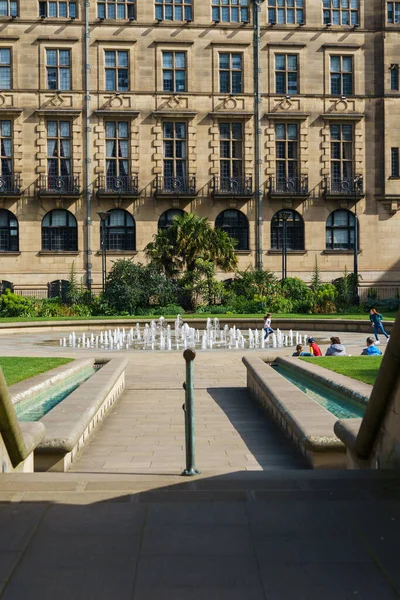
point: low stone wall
(307, 424)
(304, 326)
(70, 424)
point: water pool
(34, 408)
(334, 402)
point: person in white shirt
(267, 326)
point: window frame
(341, 10)
(129, 10)
(116, 68)
(160, 7)
(58, 68)
(4, 157)
(295, 242)
(59, 138)
(9, 67)
(342, 74)
(394, 77)
(174, 70)
(231, 159)
(117, 159)
(174, 160)
(299, 12)
(347, 228)
(287, 159)
(342, 160)
(395, 163)
(243, 239)
(69, 232)
(286, 72)
(218, 8)
(9, 229)
(396, 13)
(231, 71)
(12, 9)
(109, 229)
(69, 3)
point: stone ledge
(306, 423)
(69, 425)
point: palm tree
(189, 238)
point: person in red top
(314, 348)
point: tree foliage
(175, 250)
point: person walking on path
(299, 351)
(267, 326)
(314, 348)
(376, 320)
(371, 349)
(336, 348)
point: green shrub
(247, 284)
(13, 305)
(298, 293)
(324, 298)
(170, 309)
(389, 305)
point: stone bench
(70, 423)
(307, 424)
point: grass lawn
(18, 369)
(363, 368)
(388, 316)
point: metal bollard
(189, 355)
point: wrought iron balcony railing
(288, 186)
(233, 186)
(121, 185)
(177, 186)
(63, 185)
(10, 185)
(344, 186)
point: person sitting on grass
(371, 349)
(336, 348)
(299, 351)
(314, 348)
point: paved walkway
(144, 433)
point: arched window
(340, 230)
(120, 230)
(58, 289)
(6, 285)
(9, 241)
(236, 225)
(59, 231)
(167, 218)
(294, 230)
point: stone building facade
(172, 129)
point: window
(394, 78)
(230, 73)
(58, 9)
(58, 289)
(58, 69)
(230, 11)
(117, 77)
(59, 232)
(231, 153)
(294, 230)
(286, 74)
(341, 157)
(9, 241)
(286, 11)
(286, 152)
(341, 12)
(5, 68)
(120, 231)
(395, 167)
(8, 8)
(340, 230)
(174, 71)
(167, 218)
(116, 9)
(174, 10)
(342, 75)
(59, 155)
(236, 225)
(174, 152)
(117, 152)
(393, 12)
(6, 154)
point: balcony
(225, 187)
(10, 185)
(181, 187)
(288, 187)
(123, 186)
(344, 187)
(55, 186)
